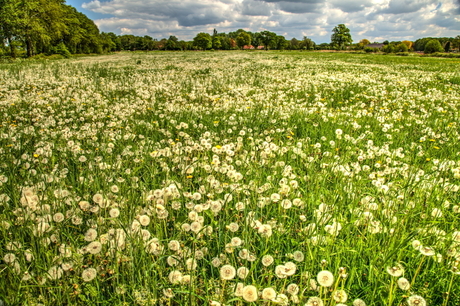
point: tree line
(31, 27)
(48, 26)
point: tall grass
(230, 178)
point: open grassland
(214, 178)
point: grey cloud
(187, 13)
(446, 19)
(298, 7)
(392, 20)
(255, 8)
(406, 6)
(351, 6)
(295, 1)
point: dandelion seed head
(250, 293)
(314, 301)
(416, 300)
(268, 294)
(325, 278)
(267, 260)
(227, 272)
(89, 274)
(396, 270)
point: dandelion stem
(390, 294)
(448, 290)
(417, 271)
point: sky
(375, 20)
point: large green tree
(281, 42)
(243, 39)
(203, 41)
(9, 24)
(433, 46)
(341, 37)
(35, 23)
(48, 26)
(216, 42)
(267, 38)
(307, 43)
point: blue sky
(376, 20)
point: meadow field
(230, 178)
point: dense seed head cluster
(189, 178)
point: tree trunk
(29, 46)
(12, 48)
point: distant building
(378, 46)
(251, 47)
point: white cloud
(371, 19)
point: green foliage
(39, 26)
(433, 46)
(369, 49)
(216, 42)
(267, 38)
(243, 39)
(308, 44)
(419, 44)
(401, 48)
(62, 50)
(203, 41)
(281, 42)
(341, 37)
(334, 157)
(390, 48)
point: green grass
(350, 160)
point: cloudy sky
(376, 20)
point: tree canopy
(40, 26)
(433, 46)
(203, 41)
(30, 27)
(341, 37)
(243, 39)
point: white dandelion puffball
(267, 260)
(91, 234)
(403, 283)
(340, 296)
(9, 258)
(250, 293)
(242, 272)
(314, 301)
(292, 289)
(144, 220)
(175, 277)
(227, 272)
(89, 274)
(94, 247)
(359, 302)
(396, 270)
(268, 294)
(55, 272)
(325, 278)
(416, 300)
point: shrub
(389, 48)
(402, 48)
(369, 49)
(433, 46)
